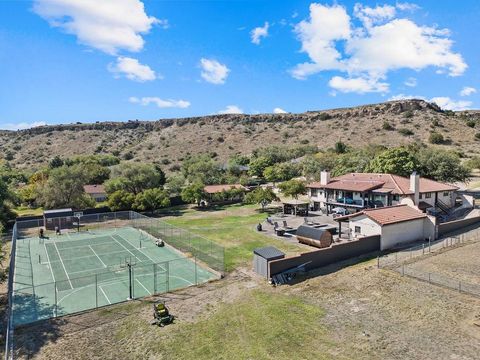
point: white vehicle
(339, 211)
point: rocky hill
(169, 141)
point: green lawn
(26, 211)
(258, 326)
(233, 227)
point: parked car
(339, 211)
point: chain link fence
(403, 261)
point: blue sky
(64, 61)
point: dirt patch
(459, 263)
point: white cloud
(407, 6)
(326, 25)
(382, 44)
(411, 82)
(449, 104)
(213, 71)
(258, 33)
(169, 103)
(231, 109)
(23, 125)
(369, 16)
(358, 85)
(467, 91)
(444, 102)
(107, 25)
(132, 69)
(278, 110)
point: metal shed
(61, 218)
(318, 237)
(261, 258)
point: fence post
(459, 286)
(96, 291)
(403, 269)
(168, 276)
(429, 244)
(56, 305)
(423, 249)
(378, 262)
(396, 254)
(154, 278)
(196, 281)
(429, 280)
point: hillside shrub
(436, 138)
(405, 132)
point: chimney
(324, 177)
(415, 187)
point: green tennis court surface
(73, 272)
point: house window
(446, 193)
(420, 196)
(314, 192)
(358, 229)
(428, 195)
(396, 198)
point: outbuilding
(261, 258)
(58, 218)
(396, 225)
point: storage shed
(61, 218)
(261, 258)
(318, 237)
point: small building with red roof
(396, 225)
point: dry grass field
(350, 310)
(460, 263)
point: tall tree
(135, 178)
(293, 188)
(442, 165)
(399, 161)
(151, 199)
(121, 200)
(262, 196)
(194, 193)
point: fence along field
(99, 260)
(442, 262)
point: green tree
(121, 200)
(262, 196)
(399, 161)
(6, 213)
(202, 168)
(442, 165)
(193, 193)
(151, 199)
(340, 147)
(281, 172)
(134, 178)
(293, 188)
(175, 184)
(64, 188)
(259, 164)
(436, 138)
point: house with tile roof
(358, 191)
(96, 191)
(397, 225)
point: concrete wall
(450, 226)
(401, 233)
(327, 256)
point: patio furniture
(285, 225)
(280, 231)
(308, 222)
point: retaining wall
(450, 226)
(323, 257)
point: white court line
(49, 263)
(143, 286)
(125, 247)
(139, 249)
(103, 292)
(89, 269)
(66, 273)
(98, 257)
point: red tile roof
(212, 189)
(389, 215)
(94, 189)
(395, 184)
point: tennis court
(76, 271)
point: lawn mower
(161, 314)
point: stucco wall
(368, 227)
(401, 233)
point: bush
(324, 116)
(128, 156)
(405, 132)
(408, 114)
(477, 136)
(471, 123)
(387, 126)
(436, 138)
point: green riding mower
(161, 314)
